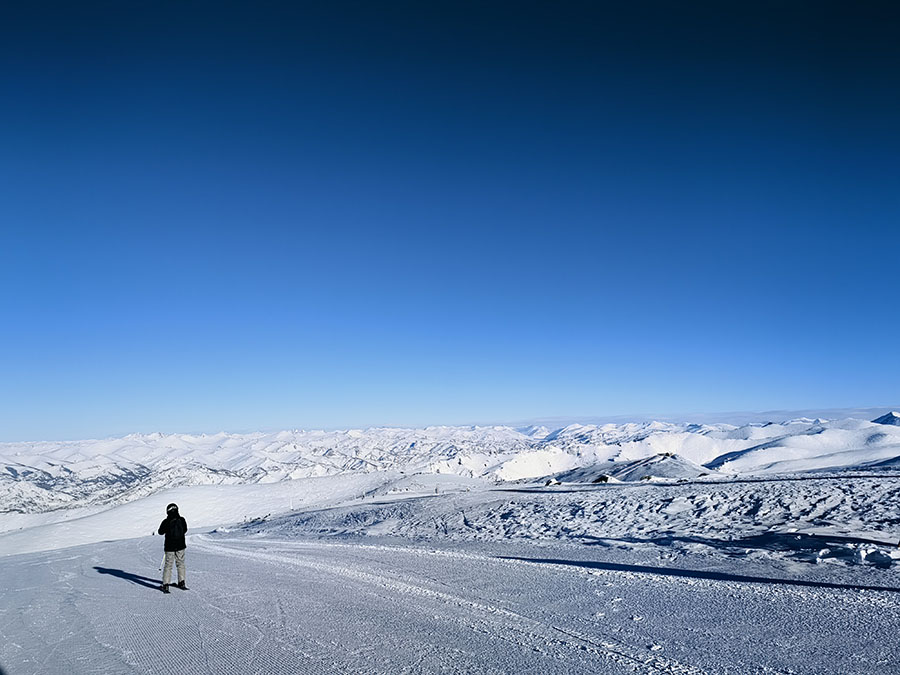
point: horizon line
(736, 417)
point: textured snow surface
(386, 573)
(260, 605)
(837, 520)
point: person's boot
(182, 585)
(165, 588)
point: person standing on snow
(174, 528)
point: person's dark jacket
(174, 527)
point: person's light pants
(178, 558)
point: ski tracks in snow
(579, 618)
(261, 605)
(476, 615)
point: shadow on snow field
(804, 547)
(698, 574)
(128, 576)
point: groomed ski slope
(260, 605)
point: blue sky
(275, 215)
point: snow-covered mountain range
(37, 477)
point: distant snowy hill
(661, 466)
(892, 418)
(40, 477)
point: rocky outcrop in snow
(892, 418)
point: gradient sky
(269, 215)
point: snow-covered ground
(840, 520)
(264, 605)
(619, 548)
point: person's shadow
(133, 578)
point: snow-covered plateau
(642, 547)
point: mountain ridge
(45, 475)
